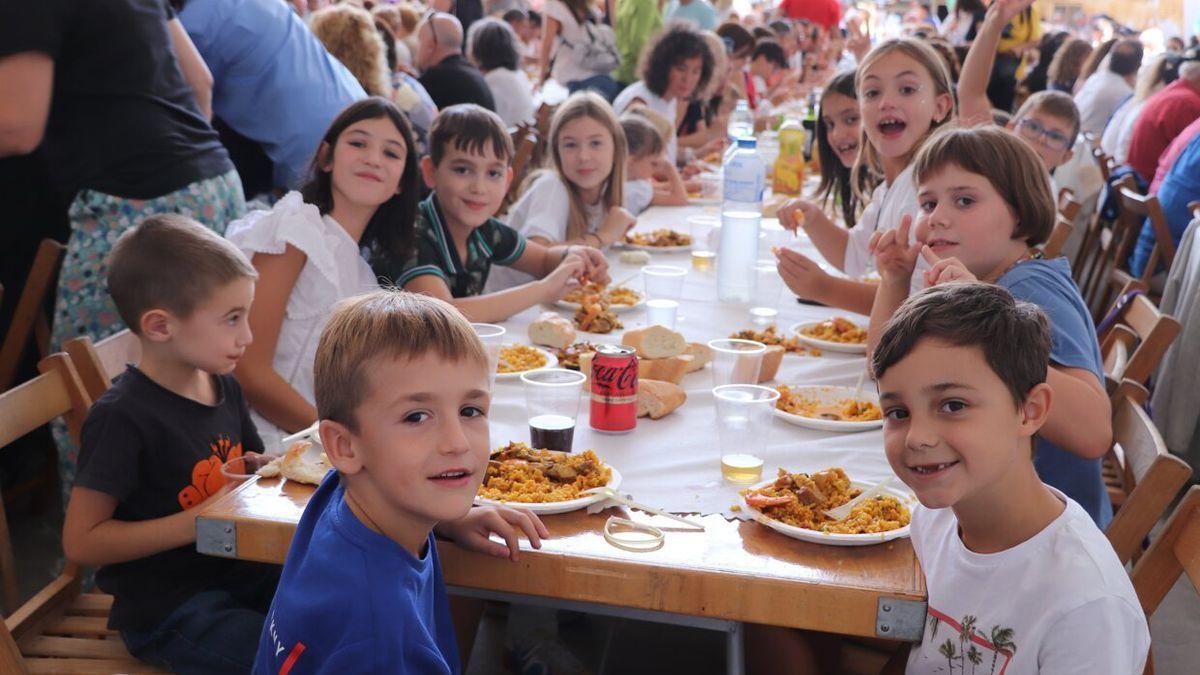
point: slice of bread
(667, 370)
(701, 354)
(657, 399)
(655, 342)
(552, 330)
(771, 360)
(302, 463)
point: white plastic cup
(664, 282)
(744, 418)
(736, 361)
(492, 337)
(660, 312)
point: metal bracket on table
(216, 537)
(899, 619)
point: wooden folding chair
(1058, 237)
(97, 364)
(58, 630)
(29, 317)
(545, 114)
(1067, 206)
(1111, 250)
(522, 161)
(1144, 333)
(1175, 552)
(1140, 207)
(1150, 477)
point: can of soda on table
(614, 389)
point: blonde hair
(144, 265)
(928, 58)
(348, 32)
(383, 324)
(1007, 162)
(591, 105)
(720, 64)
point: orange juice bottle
(789, 166)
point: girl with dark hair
(362, 195)
(675, 68)
(1037, 79)
(492, 46)
(837, 134)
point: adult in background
(1165, 115)
(1103, 92)
(1118, 134)
(638, 21)
(700, 13)
(1037, 79)
(579, 47)
(825, 13)
(960, 28)
(117, 99)
(492, 46)
(446, 74)
(273, 82)
(1176, 185)
(1021, 35)
(1066, 66)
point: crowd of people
(374, 142)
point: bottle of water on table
(741, 217)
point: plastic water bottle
(741, 122)
(741, 217)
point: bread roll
(655, 342)
(667, 370)
(302, 463)
(656, 399)
(552, 330)
(701, 354)
(771, 360)
(585, 367)
(636, 257)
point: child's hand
(945, 270)
(895, 258)
(794, 212)
(804, 277)
(473, 531)
(595, 265)
(563, 279)
(616, 224)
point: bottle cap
(747, 142)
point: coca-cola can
(614, 389)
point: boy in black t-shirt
(152, 451)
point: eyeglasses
(1034, 131)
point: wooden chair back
(97, 364)
(1175, 552)
(29, 317)
(1110, 250)
(1144, 332)
(522, 164)
(545, 114)
(1058, 236)
(1150, 477)
(1141, 207)
(1067, 206)
(1105, 162)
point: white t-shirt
(1099, 97)
(639, 91)
(1119, 132)
(888, 206)
(334, 270)
(1058, 603)
(567, 67)
(638, 195)
(513, 93)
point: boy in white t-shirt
(1020, 580)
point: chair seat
(80, 641)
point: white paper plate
(845, 347)
(834, 539)
(551, 508)
(619, 309)
(551, 361)
(829, 393)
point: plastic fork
(842, 512)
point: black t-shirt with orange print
(158, 453)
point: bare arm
(807, 280)
(92, 537)
(267, 392)
(492, 307)
(550, 28)
(671, 191)
(973, 104)
(1080, 420)
(195, 71)
(830, 238)
(26, 88)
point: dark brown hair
(835, 178)
(387, 323)
(171, 262)
(678, 43)
(739, 41)
(470, 128)
(1014, 336)
(1007, 162)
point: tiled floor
(634, 648)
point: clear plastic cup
(701, 227)
(492, 337)
(736, 361)
(664, 282)
(744, 420)
(768, 287)
(661, 312)
(240, 469)
(552, 403)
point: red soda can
(614, 389)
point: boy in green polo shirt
(457, 239)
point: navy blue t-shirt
(1073, 344)
(353, 601)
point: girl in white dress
(309, 252)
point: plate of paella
(517, 358)
(544, 481)
(662, 240)
(838, 334)
(793, 504)
(619, 299)
(828, 408)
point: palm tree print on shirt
(968, 645)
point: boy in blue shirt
(401, 387)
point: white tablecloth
(674, 463)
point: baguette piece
(585, 367)
(771, 360)
(552, 330)
(302, 463)
(701, 354)
(656, 399)
(655, 342)
(667, 370)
